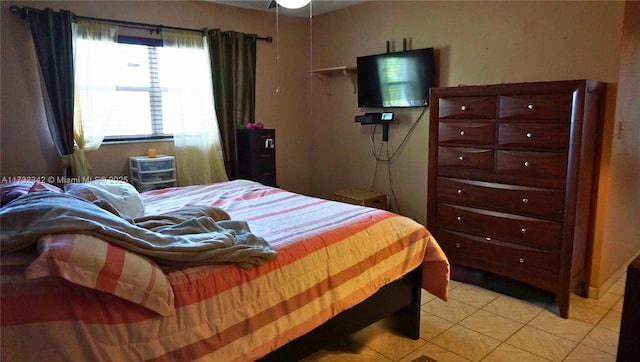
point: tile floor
(478, 324)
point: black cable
(404, 140)
(391, 158)
(396, 206)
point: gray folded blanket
(191, 236)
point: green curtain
(53, 40)
(233, 68)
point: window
(146, 95)
(138, 96)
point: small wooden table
(361, 197)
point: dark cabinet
(512, 179)
(257, 155)
(629, 332)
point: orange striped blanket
(331, 256)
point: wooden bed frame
(400, 300)
(397, 303)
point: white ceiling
(317, 6)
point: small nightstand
(152, 173)
(361, 197)
(257, 155)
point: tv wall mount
(383, 118)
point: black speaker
(368, 118)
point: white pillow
(123, 196)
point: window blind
(139, 97)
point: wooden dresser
(513, 178)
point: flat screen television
(399, 79)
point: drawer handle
(459, 192)
(525, 200)
(461, 133)
(527, 163)
(461, 158)
(523, 230)
(463, 108)
(530, 106)
(529, 135)
(521, 260)
(458, 245)
(459, 218)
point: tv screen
(400, 79)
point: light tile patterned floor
(478, 324)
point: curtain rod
(24, 11)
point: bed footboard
(399, 300)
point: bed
(329, 269)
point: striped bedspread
(331, 256)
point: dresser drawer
(542, 106)
(467, 107)
(536, 267)
(266, 156)
(467, 158)
(521, 200)
(498, 225)
(541, 136)
(263, 162)
(265, 178)
(261, 140)
(473, 133)
(532, 165)
(153, 176)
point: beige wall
(320, 148)
(477, 42)
(618, 230)
(26, 147)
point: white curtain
(94, 89)
(188, 109)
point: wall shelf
(343, 71)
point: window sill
(118, 142)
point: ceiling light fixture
(293, 4)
